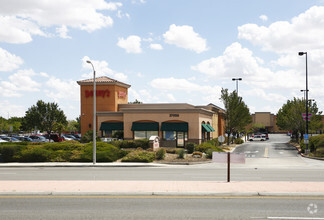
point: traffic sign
(306, 137)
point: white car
(1, 140)
(259, 138)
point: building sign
(102, 93)
(174, 115)
(122, 94)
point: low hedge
(205, 146)
(68, 151)
(139, 156)
(125, 144)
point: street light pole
(94, 113)
(237, 79)
(301, 54)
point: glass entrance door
(180, 139)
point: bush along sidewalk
(68, 151)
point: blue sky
(179, 51)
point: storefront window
(145, 134)
(169, 135)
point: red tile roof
(103, 80)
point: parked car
(1, 140)
(107, 139)
(68, 137)
(24, 138)
(259, 138)
(77, 137)
(10, 139)
(37, 138)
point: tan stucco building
(175, 124)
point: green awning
(173, 126)
(210, 128)
(145, 126)
(112, 126)
(205, 128)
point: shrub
(208, 149)
(104, 152)
(139, 156)
(209, 153)
(181, 153)
(35, 154)
(190, 147)
(238, 141)
(214, 142)
(9, 152)
(142, 143)
(160, 154)
(88, 136)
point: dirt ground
(173, 158)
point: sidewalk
(171, 188)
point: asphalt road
(137, 207)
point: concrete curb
(7, 165)
(164, 194)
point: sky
(169, 51)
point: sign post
(227, 157)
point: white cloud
(19, 20)
(207, 93)
(11, 110)
(8, 61)
(131, 44)
(263, 17)
(171, 97)
(19, 82)
(16, 30)
(305, 32)
(185, 37)
(102, 69)
(62, 89)
(62, 32)
(156, 47)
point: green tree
(44, 116)
(237, 114)
(73, 126)
(290, 117)
(135, 102)
(16, 123)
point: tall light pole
(301, 54)
(237, 79)
(94, 113)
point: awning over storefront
(173, 126)
(145, 126)
(205, 128)
(112, 126)
(210, 128)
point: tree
(290, 117)
(135, 102)
(237, 114)
(44, 116)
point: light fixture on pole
(237, 79)
(94, 113)
(306, 135)
(304, 91)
